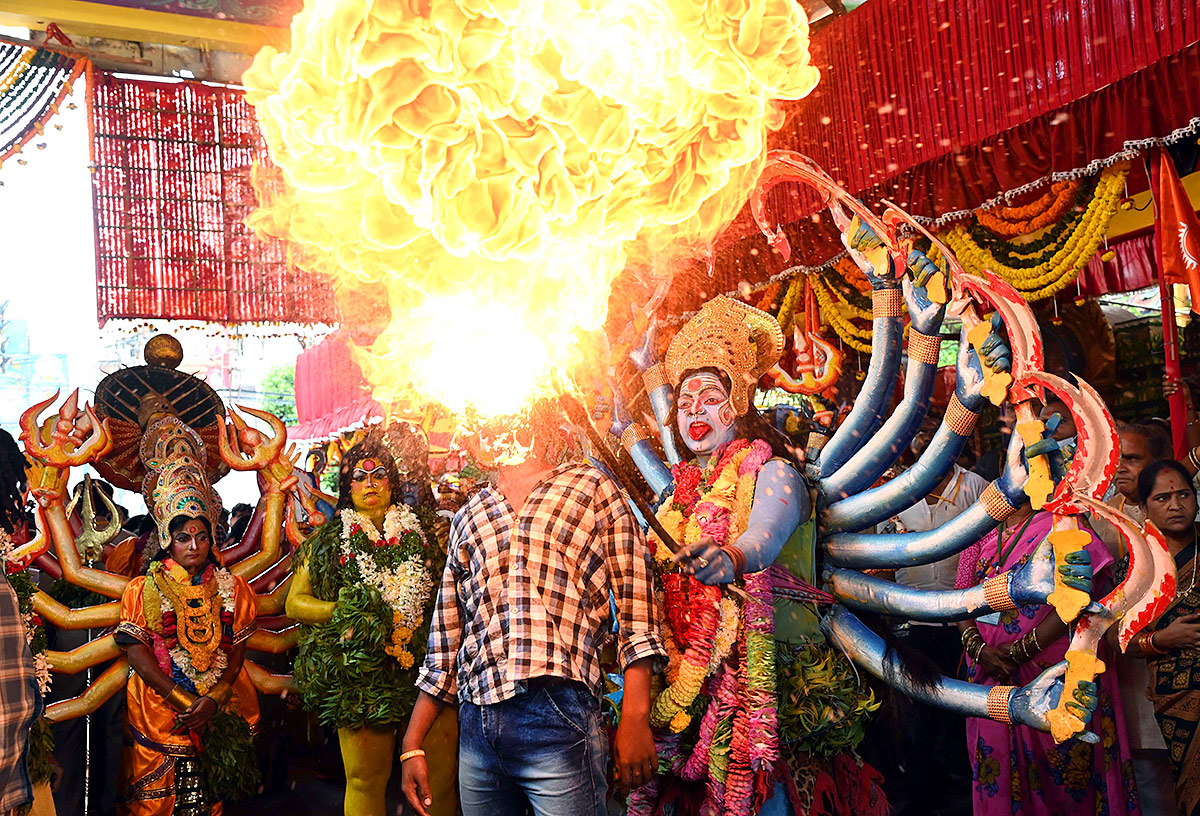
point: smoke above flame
(490, 166)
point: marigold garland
(850, 334)
(1056, 272)
(853, 275)
(766, 298)
(1046, 210)
(791, 301)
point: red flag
(1177, 226)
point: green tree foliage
(279, 392)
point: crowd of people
(515, 611)
(1148, 704)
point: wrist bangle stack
(973, 643)
(738, 558)
(410, 754)
(1025, 648)
(1145, 642)
(1193, 459)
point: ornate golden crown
(739, 340)
(176, 483)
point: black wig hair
(369, 448)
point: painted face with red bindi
(704, 411)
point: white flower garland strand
(406, 588)
(41, 665)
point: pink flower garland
(722, 689)
(755, 747)
(748, 693)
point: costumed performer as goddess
(363, 591)
(733, 506)
(184, 625)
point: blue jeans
(545, 746)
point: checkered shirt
(20, 703)
(529, 597)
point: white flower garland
(205, 680)
(225, 588)
(179, 655)
(406, 588)
(41, 665)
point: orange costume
(152, 761)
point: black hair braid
(12, 483)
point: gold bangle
(960, 418)
(924, 348)
(410, 754)
(997, 703)
(179, 699)
(221, 694)
(996, 503)
(654, 377)
(633, 434)
(887, 303)
(995, 594)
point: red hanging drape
(331, 392)
(171, 189)
(905, 82)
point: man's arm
(437, 683)
(639, 642)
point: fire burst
(492, 165)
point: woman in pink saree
(1016, 770)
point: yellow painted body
(367, 754)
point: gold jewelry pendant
(197, 618)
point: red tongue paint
(698, 430)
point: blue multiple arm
(879, 452)
(1028, 705)
(870, 507)
(656, 474)
(879, 551)
(867, 414)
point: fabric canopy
(331, 394)
(908, 82)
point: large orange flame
(493, 164)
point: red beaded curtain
(171, 188)
(941, 105)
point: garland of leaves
(342, 668)
(822, 707)
(229, 761)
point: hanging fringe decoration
(33, 83)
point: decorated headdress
(176, 483)
(736, 339)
